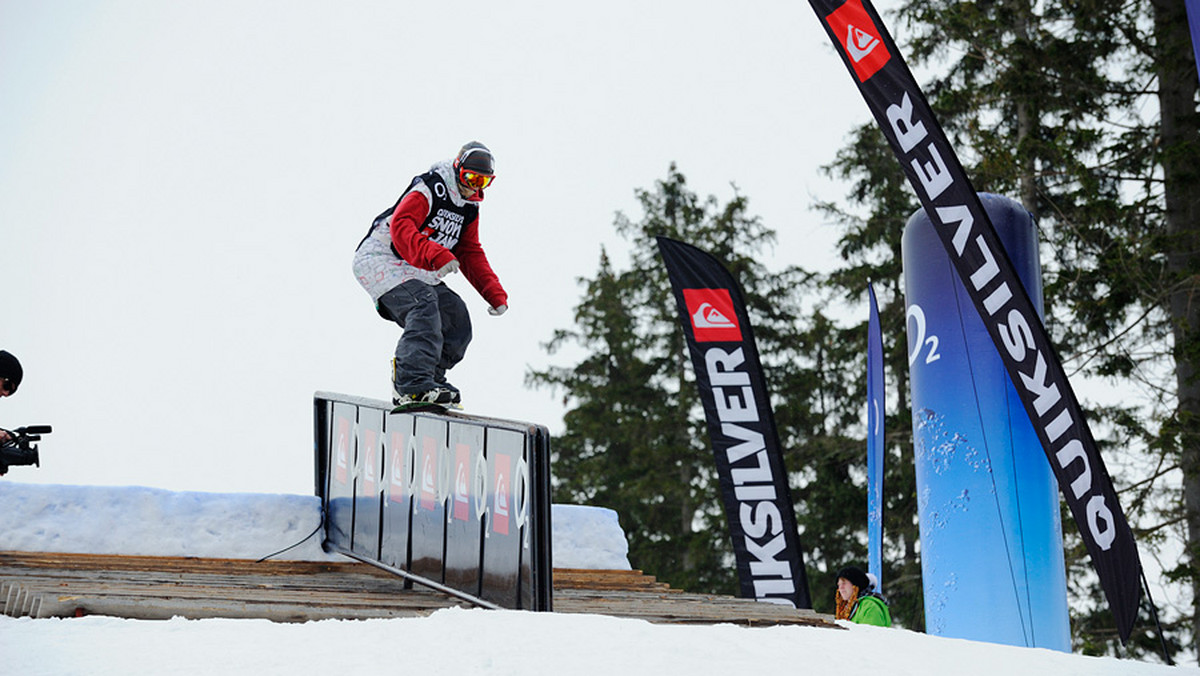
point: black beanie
(856, 577)
(10, 369)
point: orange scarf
(844, 608)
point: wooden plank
(681, 607)
(332, 582)
(571, 578)
(66, 585)
(202, 591)
(165, 607)
(72, 561)
(56, 597)
(141, 587)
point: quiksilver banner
(962, 225)
(741, 426)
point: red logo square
(341, 452)
(712, 314)
(370, 474)
(428, 490)
(462, 482)
(501, 490)
(858, 37)
(398, 471)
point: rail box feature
(456, 502)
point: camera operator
(10, 377)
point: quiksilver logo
(709, 317)
(500, 480)
(428, 482)
(462, 493)
(341, 452)
(713, 315)
(853, 29)
(427, 478)
(396, 477)
(369, 474)
(460, 484)
(859, 43)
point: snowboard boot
(438, 395)
(455, 395)
(443, 393)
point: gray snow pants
(437, 330)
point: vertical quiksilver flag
(962, 225)
(741, 426)
(874, 442)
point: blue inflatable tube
(991, 535)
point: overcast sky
(182, 186)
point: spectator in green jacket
(855, 600)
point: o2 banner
(754, 484)
(1012, 322)
(987, 501)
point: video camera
(20, 448)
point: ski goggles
(475, 180)
(6, 386)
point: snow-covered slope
(155, 522)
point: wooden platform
(43, 585)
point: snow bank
(587, 537)
(139, 521)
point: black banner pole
(1162, 639)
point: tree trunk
(1180, 145)
(1026, 121)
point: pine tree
(635, 437)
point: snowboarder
(431, 231)
(855, 600)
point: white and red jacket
(430, 225)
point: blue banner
(875, 404)
(1193, 13)
(991, 535)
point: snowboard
(426, 407)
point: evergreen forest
(1087, 112)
